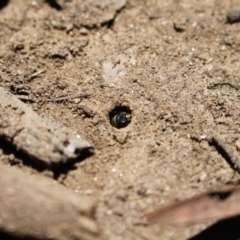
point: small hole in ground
(120, 116)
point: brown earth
(175, 64)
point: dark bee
(121, 119)
(120, 116)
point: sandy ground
(174, 64)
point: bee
(120, 119)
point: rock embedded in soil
(233, 16)
(89, 13)
(180, 24)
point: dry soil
(175, 64)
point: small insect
(120, 119)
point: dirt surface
(174, 64)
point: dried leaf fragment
(211, 205)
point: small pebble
(180, 24)
(83, 31)
(35, 106)
(69, 28)
(142, 191)
(233, 16)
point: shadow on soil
(54, 4)
(58, 169)
(4, 236)
(222, 230)
(3, 3)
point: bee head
(120, 117)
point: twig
(228, 153)
(36, 74)
(57, 99)
(81, 95)
(26, 98)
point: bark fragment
(39, 208)
(39, 138)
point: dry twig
(36, 74)
(234, 161)
(57, 99)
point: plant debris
(42, 140)
(211, 205)
(55, 212)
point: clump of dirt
(174, 64)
